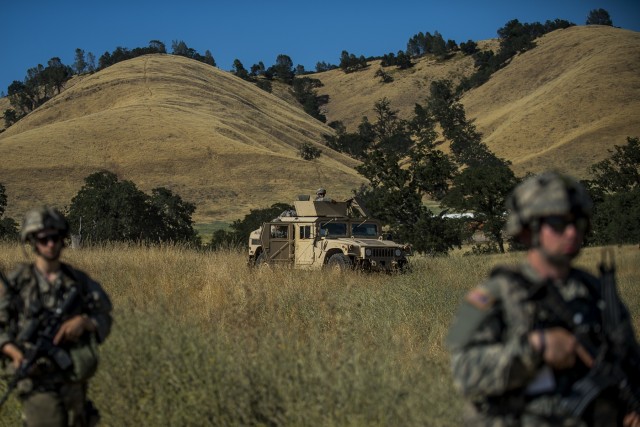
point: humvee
(326, 234)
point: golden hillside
(564, 103)
(163, 120)
(222, 143)
(560, 105)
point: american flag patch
(480, 299)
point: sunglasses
(559, 223)
(43, 240)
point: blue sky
(254, 31)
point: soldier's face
(562, 236)
(49, 244)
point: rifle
(41, 331)
(605, 361)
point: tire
(339, 262)
(262, 261)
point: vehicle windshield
(364, 230)
(333, 229)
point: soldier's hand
(631, 420)
(14, 353)
(72, 329)
(561, 348)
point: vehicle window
(333, 229)
(305, 231)
(279, 231)
(364, 230)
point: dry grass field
(201, 339)
(225, 145)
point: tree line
(107, 209)
(41, 83)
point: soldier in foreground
(52, 317)
(536, 344)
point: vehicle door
(278, 241)
(304, 253)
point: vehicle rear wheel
(339, 262)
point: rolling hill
(560, 105)
(224, 144)
(164, 120)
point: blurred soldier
(520, 356)
(321, 195)
(50, 395)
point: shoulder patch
(480, 298)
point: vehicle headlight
(368, 252)
(398, 252)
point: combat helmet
(549, 193)
(320, 191)
(43, 218)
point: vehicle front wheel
(339, 262)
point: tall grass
(201, 339)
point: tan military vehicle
(326, 234)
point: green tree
(403, 61)
(615, 188)
(174, 214)
(79, 64)
(483, 190)
(10, 117)
(208, 58)
(283, 69)
(3, 199)
(350, 63)
(106, 209)
(91, 62)
(469, 48)
(384, 77)
(304, 89)
(8, 227)
(257, 69)
(394, 193)
(391, 133)
(179, 47)
(599, 17)
(56, 74)
(264, 85)
(621, 171)
(157, 46)
(239, 70)
(309, 152)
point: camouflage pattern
(49, 394)
(320, 195)
(543, 195)
(496, 369)
(43, 218)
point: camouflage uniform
(503, 378)
(49, 396)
